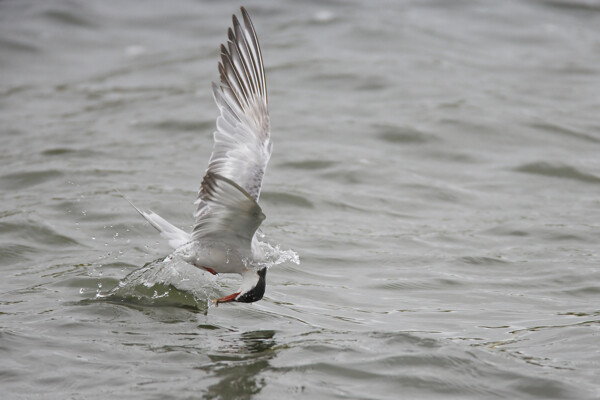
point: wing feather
(234, 216)
(242, 146)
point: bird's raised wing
(242, 140)
(233, 216)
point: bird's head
(253, 288)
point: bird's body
(223, 239)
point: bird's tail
(175, 236)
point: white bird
(223, 239)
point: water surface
(435, 167)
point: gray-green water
(436, 167)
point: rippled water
(435, 167)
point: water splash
(171, 281)
(273, 255)
(168, 281)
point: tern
(223, 237)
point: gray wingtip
(246, 16)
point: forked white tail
(174, 236)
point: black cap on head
(258, 291)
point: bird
(224, 235)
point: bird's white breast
(223, 258)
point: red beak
(226, 299)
